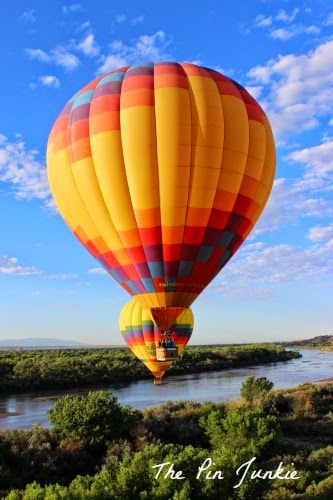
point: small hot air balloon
(161, 170)
(144, 339)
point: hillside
(318, 341)
(39, 343)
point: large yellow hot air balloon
(143, 337)
(161, 171)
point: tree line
(66, 368)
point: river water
(24, 410)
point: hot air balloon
(143, 337)
(161, 170)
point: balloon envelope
(142, 336)
(161, 171)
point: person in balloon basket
(170, 343)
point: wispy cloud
(29, 16)
(318, 160)
(46, 81)
(138, 20)
(98, 270)
(294, 30)
(22, 171)
(282, 26)
(260, 270)
(262, 21)
(146, 48)
(11, 266)
(59, 276)
(38, 54)
(60, 56)
(299, 89)
(68, 9)
(284, 17)
(89, 46)
(121, 18)
(304, 197)
(321, 233)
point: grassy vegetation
(293, 426)
(322, 342)
(67, 368)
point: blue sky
(279, 284)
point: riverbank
(80, 368)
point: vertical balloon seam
(130, 326)
(142, 350)
(159, 181)
(222, 150)
(147, 294)
(233, 206)
(260, 209)
(269, 136)
(70, 170)
(70, 148)
(224, 133)
(119, 236)
(91, 216)
(234, 203)
(184, 293)
(169, 291)
(58, 193)
(180, 297)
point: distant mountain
(40, 342)
(320, 339)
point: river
(21, 411)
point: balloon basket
(158, 381)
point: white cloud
(29, 16)
(20, 168)
(111, 62)
(60, 276)
(283, 34)
(59, 56)
(146, 48)
(255, 91)
(299, 89)
(282, 26)
(98, 270)
(318, 160)
(11, 265)
(294, 30)
(38, 54)
(321, 233)
(286, 18)
(138, 20)
(329, 20)
(260, 270)
(262, 21)
(89, 46)
(62, 57)
(67, 9)
(309, 195)
(147, 45)
(49, 81)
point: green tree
(255, 388)
(247, 430)
(94, 418)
